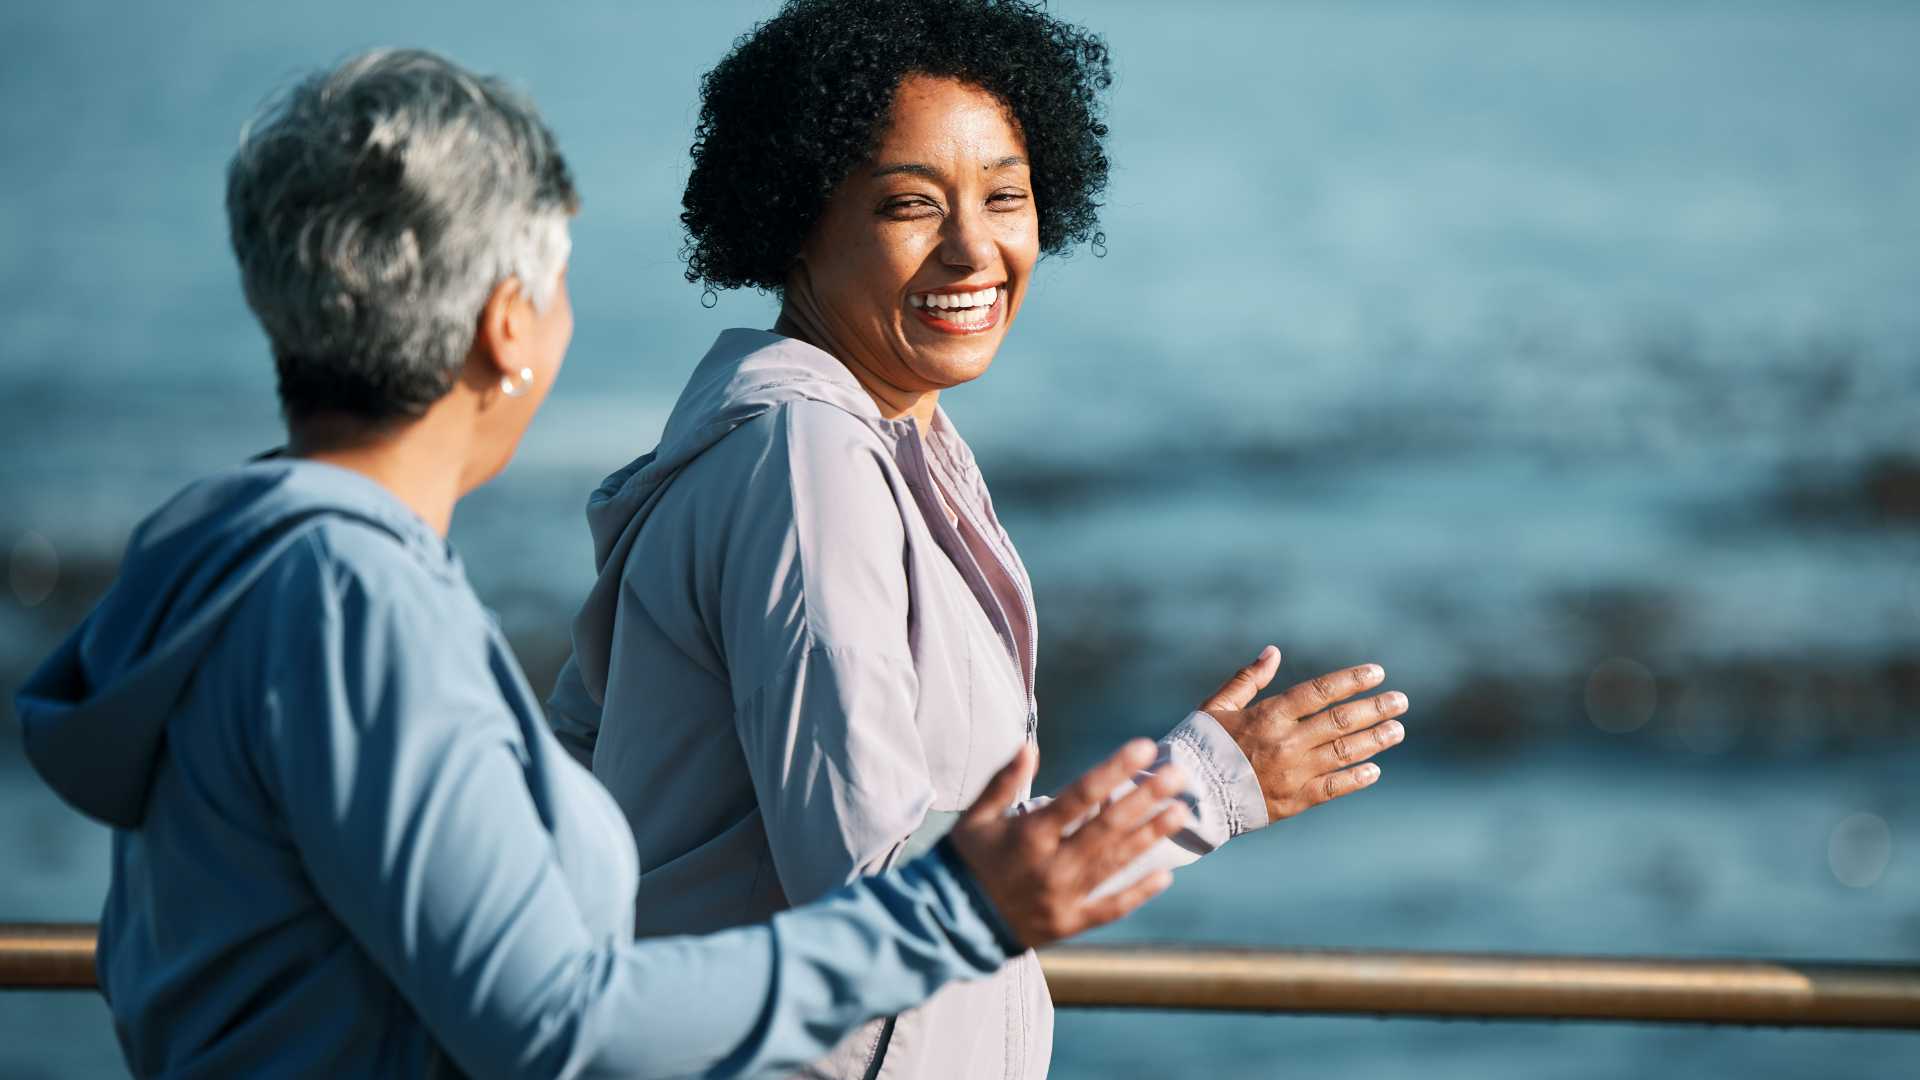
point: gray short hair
(373, 209)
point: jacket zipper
(1031, 661)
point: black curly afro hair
(801, 100)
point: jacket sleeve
(811, 613)
(402, 776)
(1223, 798)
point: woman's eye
(911, 208)
(1007, 200)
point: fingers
(1084, 795)
(1321, 691)
(1343, 722)
(1107, 857)
(1004, 789)
(1330, 747)
(1359, 746)
(1132, 810)
(1239, 691)
(1345, 782)
(1108, 908)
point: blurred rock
(1892, 488)
(1883, 491)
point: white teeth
(983, 298)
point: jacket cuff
(1229, 795)
(948, 859)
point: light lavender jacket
(796, 669)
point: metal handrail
(1488, 986)
(47, 956)
(1480, 985)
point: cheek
(1023, 247)
(865, 279)
(893, 256)
(1020, 241)
(561, 337)
(1021, 252)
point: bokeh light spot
(1620, 696)
(34, 569)
(1859, 850)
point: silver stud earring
(514, 387)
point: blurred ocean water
(1564, 358)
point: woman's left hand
(1308, 745)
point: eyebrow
(914, 168)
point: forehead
(942, 120)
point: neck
(421, 462)
(797, 320)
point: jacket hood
(94, 715)
(745, 373)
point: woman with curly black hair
(811, 638)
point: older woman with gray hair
(345, 842)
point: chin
(946, 367)
(958, 375)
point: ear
(505, 322)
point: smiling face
(921, 257)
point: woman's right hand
(1039, 868)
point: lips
(960, 311)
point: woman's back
(346, 691)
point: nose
(966, 242)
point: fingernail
(1177, 817)
(1369, 773)
(1393, 731)
(1266, 652)
(1171, 776)
(1396, 700)
(1375, 671)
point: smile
(960, 312)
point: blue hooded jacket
(345, 841)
